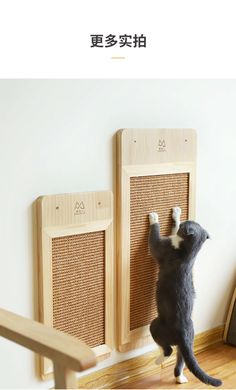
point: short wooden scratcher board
(156, 171)
(76, 268)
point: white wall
(56, 136)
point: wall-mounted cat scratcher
(76, 268)
(156, 171)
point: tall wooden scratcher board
(76, 268)
(156, 171)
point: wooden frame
(229, 315)
(145, 152)
(67, 353)
(73, 214)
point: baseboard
(139, 367)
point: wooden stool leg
(64, 378)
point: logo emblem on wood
(79, 208)
(161, 145)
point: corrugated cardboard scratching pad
(150, 193)
(78, 272)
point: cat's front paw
(176, 213)
(153, 218)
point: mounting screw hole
(135, 141)
(186, 140)
(57, 207)
(99, 203)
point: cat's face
(192, 232)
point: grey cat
(175, 256)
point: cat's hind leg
(160, 336)
(179, 367)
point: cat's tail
(193, 366)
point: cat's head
(193, 233)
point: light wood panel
(156, 146)
(67, 218)
(145, 153)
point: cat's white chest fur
(175, 241)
